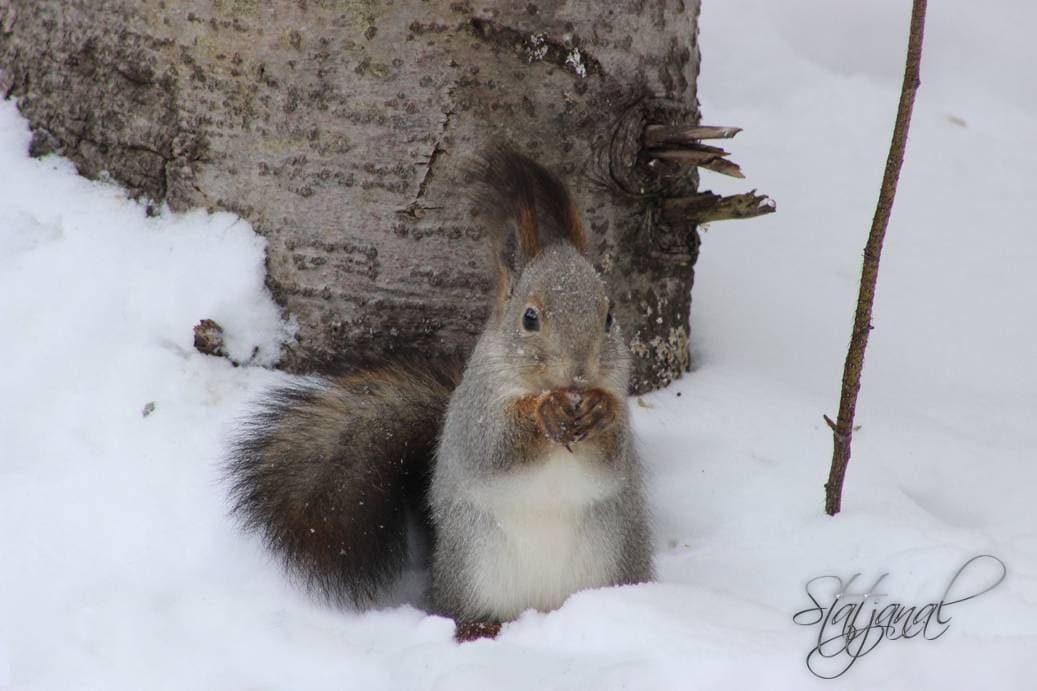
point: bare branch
(843, 429)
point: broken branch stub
(680, 144)
(707, 207)
(657, 136)
(703, 157)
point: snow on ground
(120, 569)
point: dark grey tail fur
(327, 474)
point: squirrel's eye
(531, 320)
(608, 321)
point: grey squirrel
(524, 462)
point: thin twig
(869, 273)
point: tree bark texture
(343, 129)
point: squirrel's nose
(584, 375)
(581, 370)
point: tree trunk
(342, 131)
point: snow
(575, 61)
(121, 570)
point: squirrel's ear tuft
(526, 206)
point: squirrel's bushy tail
(326, 473)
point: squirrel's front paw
(596, 410)
(556, 412)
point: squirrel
(522, 466)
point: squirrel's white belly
(548, 542)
